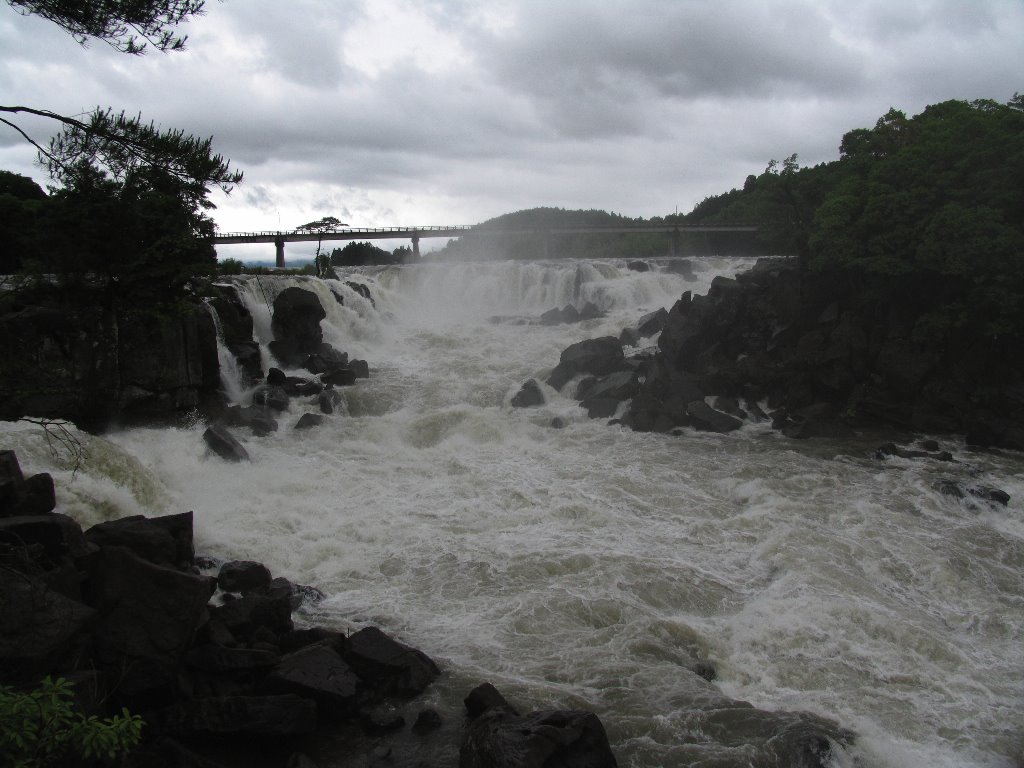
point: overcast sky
(410, 112)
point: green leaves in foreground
(41, 726)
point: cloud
(389, 112)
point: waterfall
(230, 373)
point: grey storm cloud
(396, 111)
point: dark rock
(297, 316)
(590, 311)
(43, 630)
(360, 367)
(271, 396)
(617, 386)
(296, 386)
(224, 444)
(243, 576)
(243, 616)
(215, 658)
(707, 419)
(891, 449)
(704, 669)
(426, 721)
(558, 423)
(962, 491)
(484, 698)
(324, 358)
(319, 673)
(141, 535)
(535, 740)
(257, 418)
(309, 420)
(629, 337)
(600, 407)
(599, 357)
(19, 495)
(340, 376)
(362, 290)
(387, 666)
(529, 395)
(682, 267)
(284, 715)
(638, 266)
(276, 377)
(652, 323)
(381, 723)
(329, 399)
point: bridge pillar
(416, 245)
(673, 248)
(279, 247)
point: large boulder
(297, 316)
(223, 443)
(388, 667)
(34, 495)
(256, 716)
(598, 357)
(552, 739)
(163, 540)
(529, 395)
(319, 673)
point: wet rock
(891, 449)
(707, 419)
(257, 418)
(529, 395)
(387, 666)
(963, 491)
(484, 698)
(19, 495)
(652, 323)
(328, 400)
(309, 420)
(272, 397)
(243, 616)
(426, 721)
(42, 629)
(219, 659)
(360, 367)
(243, 576)
(381, 723)
(598, 357)
(324, 358)
(297, 316)
(535, 740)
(224, 444)
(705, 670)
(141, 535)
(284, 715)
(319, 673)
(638, 266)
(340, 376)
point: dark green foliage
(21, 205)
(933, 201)
(127, 25)
(361, 254)
(41, 728)
(141, 238)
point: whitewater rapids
(589, 566)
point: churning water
(589, 566)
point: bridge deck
(406, 233)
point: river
(588, 566)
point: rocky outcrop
(828, 353)
(94, 363)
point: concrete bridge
(415, 233)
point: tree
(127, 25)
(322, 263)
(115, 142)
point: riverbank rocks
(529, 395)
(19, 495)
(828, 355)
(223, 443)
(597, 357)
(498, 736)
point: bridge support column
(279, 248)
(416, 246)
(673, 248)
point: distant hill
(481, 246)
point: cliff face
(95, 365)
(838, 349)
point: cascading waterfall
(590, 566)
(230, 374)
